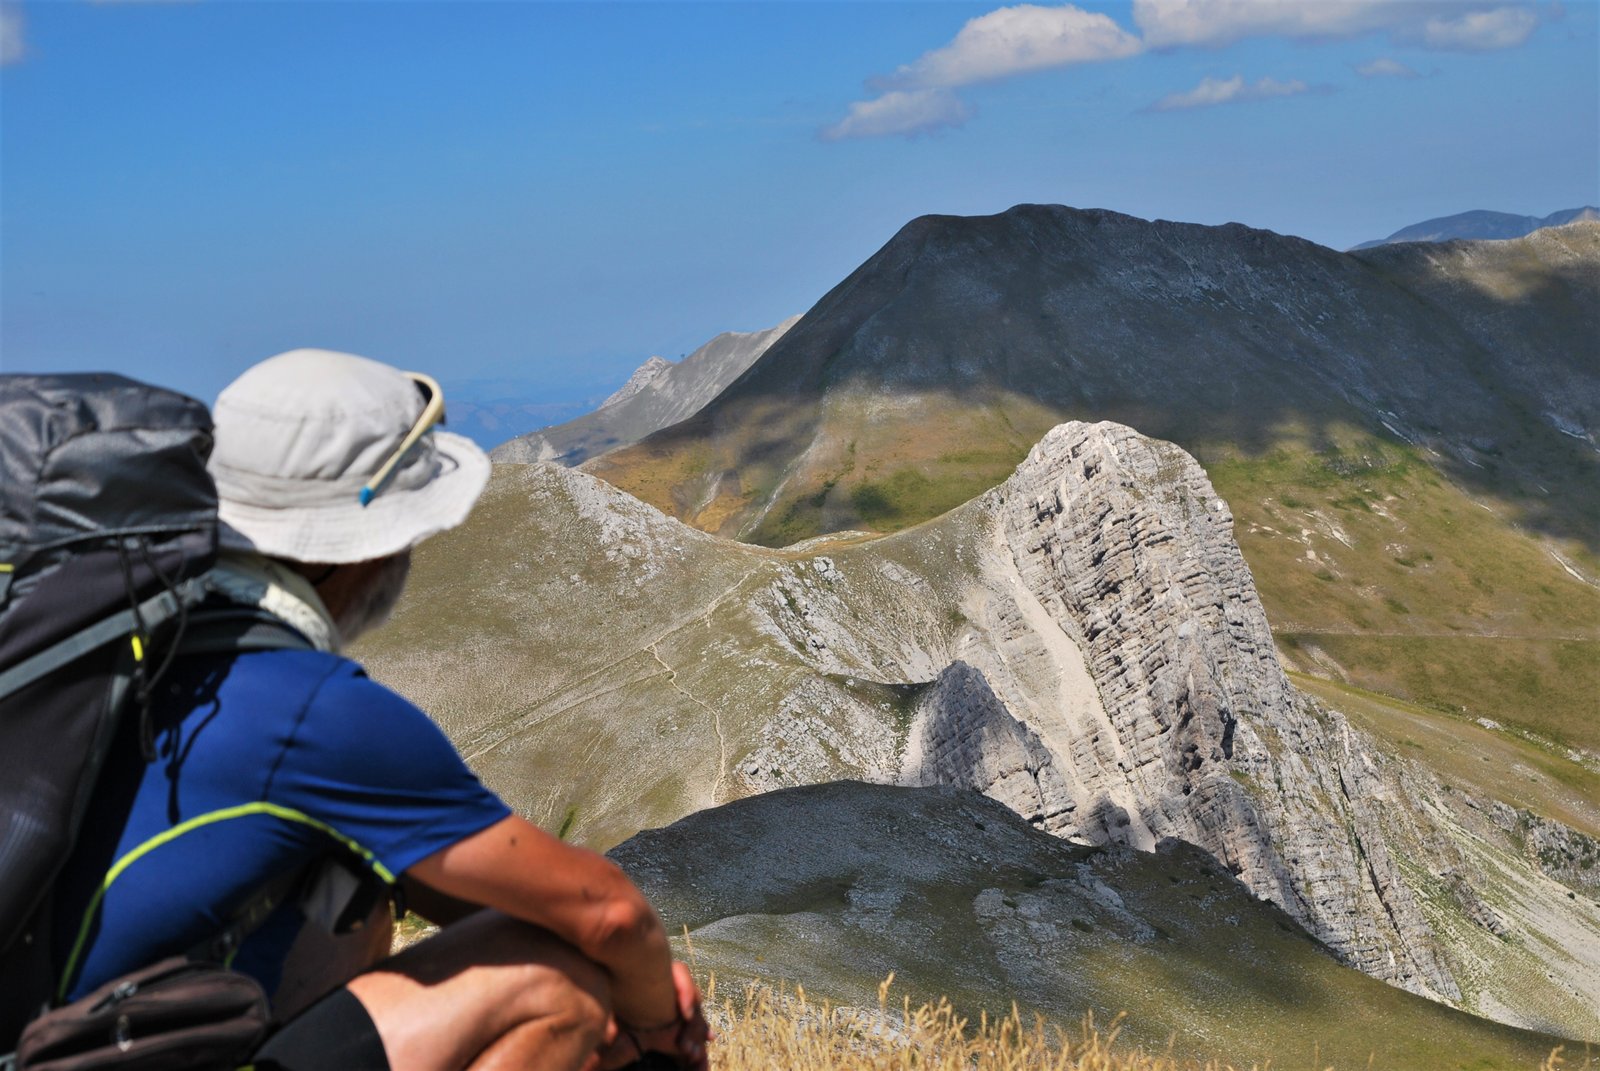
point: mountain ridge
(1194, 334)
(1480, 225)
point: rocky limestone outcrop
(525, 450)
(1564, 854)
(963, 735)
(1194, 732)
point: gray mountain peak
(658, 394)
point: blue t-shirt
(267, 761)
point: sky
(530, 199)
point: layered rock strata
(1197, 734)
(964, 735)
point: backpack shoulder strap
(208, 631)
(218, 630)
(154, 611)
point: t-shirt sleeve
(380, 773)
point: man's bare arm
(579, 895)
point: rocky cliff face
(1123, 545)
(1113, 680)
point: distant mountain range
(1481, 225)
(658, 394)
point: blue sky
(549, 193)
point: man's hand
(684, 1039)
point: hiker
(291, 762)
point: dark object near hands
(652, 1061)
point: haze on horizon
(543, 195)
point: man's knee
(529, 972)
(545, 975)
(483, 981)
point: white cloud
(900, 111)
(1213, 91)
(12, 45)
(1384, 67)
(1014, 40)
(1481, 31)
(1032, 37)
(1006, 41)
(1441, 24)
(1170, 23)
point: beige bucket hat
(329, 457)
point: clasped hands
(682, 1041)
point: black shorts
(334, 1034)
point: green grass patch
(1545, 687)
(1425, 576)
(884, 503)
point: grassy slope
(530, 693)
(907, 460)
(547, 636)
(1375, 570)
(1485, 764)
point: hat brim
(350, 532)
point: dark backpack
(108, 525)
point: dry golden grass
(763, 1029)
